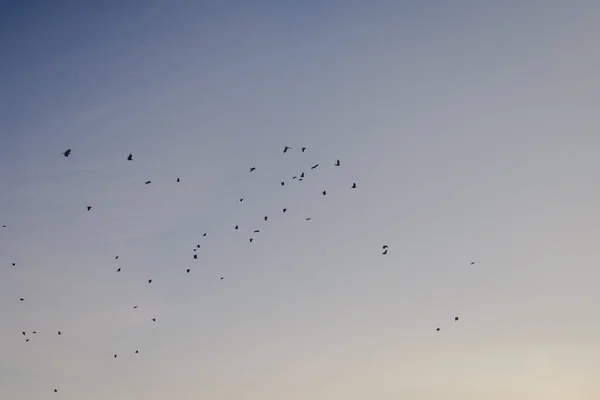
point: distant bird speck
(59, 333)
(324, 192)
(204, 234)
(89, 208)
(67, 153)
(337, 163)
(308, 219)
(118, 269)
(282, 183)
(195, 256)
(149, 281)
(472, 262)
(252, 169)
(222, 278)
(116, 257)
(237, 227)
(285, 209)
(148, 182)
(456, 318)
(385, 252)
(22, 299)
(314, 166)
(354, 186)
(241, 200)
(303, 149)
(178, 180)
(256, 231)
(153, 319)
(251, 240)
(266, 218)
(188, 270)
(286, 148)
(130, 157)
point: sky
(469, 127)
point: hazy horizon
(470, 129)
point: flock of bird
(300, 177)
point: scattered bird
(116, 257)
(282, 183)
(314, 166)
(302, 175)
(236, 227)
(148, 182)
(197, 246)
(385, 246)
(67, 153)
(55, 390)
(24, 333)
(178, 180)
(59, 333)
(266, 218)
(472, 262)
(137, 351)
(134, 307)
(308, 219)
(115, 356)
(252, 169)
(303, 149)
(118, 269)
(241, 200)
(251, 240)
(456, 318)
(294, 177)
(354, 186)
(286, 148)
(222, 278)
(14, 264)
(4, 226)
(256, 231)
(130, 157)
(149, 281)
(195, 256)
(438, 329)
(204, 234)
(337, 163)
(89, 208)
(385, 252)
(324, 192)
(285, 209)
(22, 299)
(188, 270)
(153, 319)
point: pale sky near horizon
(470, 128)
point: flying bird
(236, 227)
(23, 333)
(337, 163)
(251, 240)
(285, 209)
(324, 192)
(314, 166)
(130, 157)
(59, 333)
(116, 257)
(14, 264)
(137, 351)
(134, 307)
(294, 177)
(286, 148)
(222, 278)
(241, 200)
(148, 182)
(188, 270)
(22, 299)
(67, 153)
(456, 318)
(256, 231)
(178, 180)
(195, 256)
(385, 246)
(252, 169)
(308, 219)
(204, 234)
(266, 218)
(303, 149)
(89, 208)
(384, 252)
(472, 262)
(149, 281)
(282, 183)
(437, 329)
(354, 185)
(119, 270)
(55, 390)
(153, 319)
(302, 175)
(115, 356)
(197, 246)
(4, 226)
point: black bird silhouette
(266, 218)
(294, 177)
(456, 318)
(256, 231)
(149, 281)
(302, 175)
(26, 340)
(237, 227)
(14, 264)
(337, 163)
(137, 351)
(178, 180)
(59, 333)
(115, 356)
(438, 329)
(384, 252)
(385, 246)
(34, 332)
(222, 278)
(204, 234)
(251, 240)
(354, 185)
(67, 153)
(282, 183)
(241, 199)
(130, 157)
(472, 262)
(324, 192)
(23, 333)
(286, 148)
(153, 319)
(119, 270)
(308, 219)
(22, 299)
(285, 209)
(195, 256)
(188, 270)
(197, 246)
(252, 169)
(148, 182)
(4, 226)
(134, 307)
(55, 390)
(195, 249)
(89, 208)
(116, 257)
(303, 149)
(314, 166)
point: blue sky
(470, 129)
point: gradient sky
(470, 127)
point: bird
(55, 390)
(308, 219)
(178, 180)
(26, 340)
(222, 278)
(89, 208)
(116, 257)
(237, 227)
(118, 269)
(67, 153)
(256, 231)
(195, 256)
(4, 226)
(134, 307)
(314, 166)
(285, 209)
(59, 333)
(34, 332)
(286, 148)
(252, 169)
(324, 192)
(195, 249)
(241, 200)
(137, 351)
(197, 246)
(149, 281)
(148, 182)
(302, 175)
(282, 183)
(115, 356)
(14, 264)
(472, 262)
(188, 270)
(130, 157)
(437, 329)
(153, 319)
(385, 246)
(266, 218)
(354, 185)
(303, 149)
(384, 252)
(337, 163)
(22, 299)
(251, 239)
(204, 234)
(456, 318)
(294, 177)
(23, 333)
